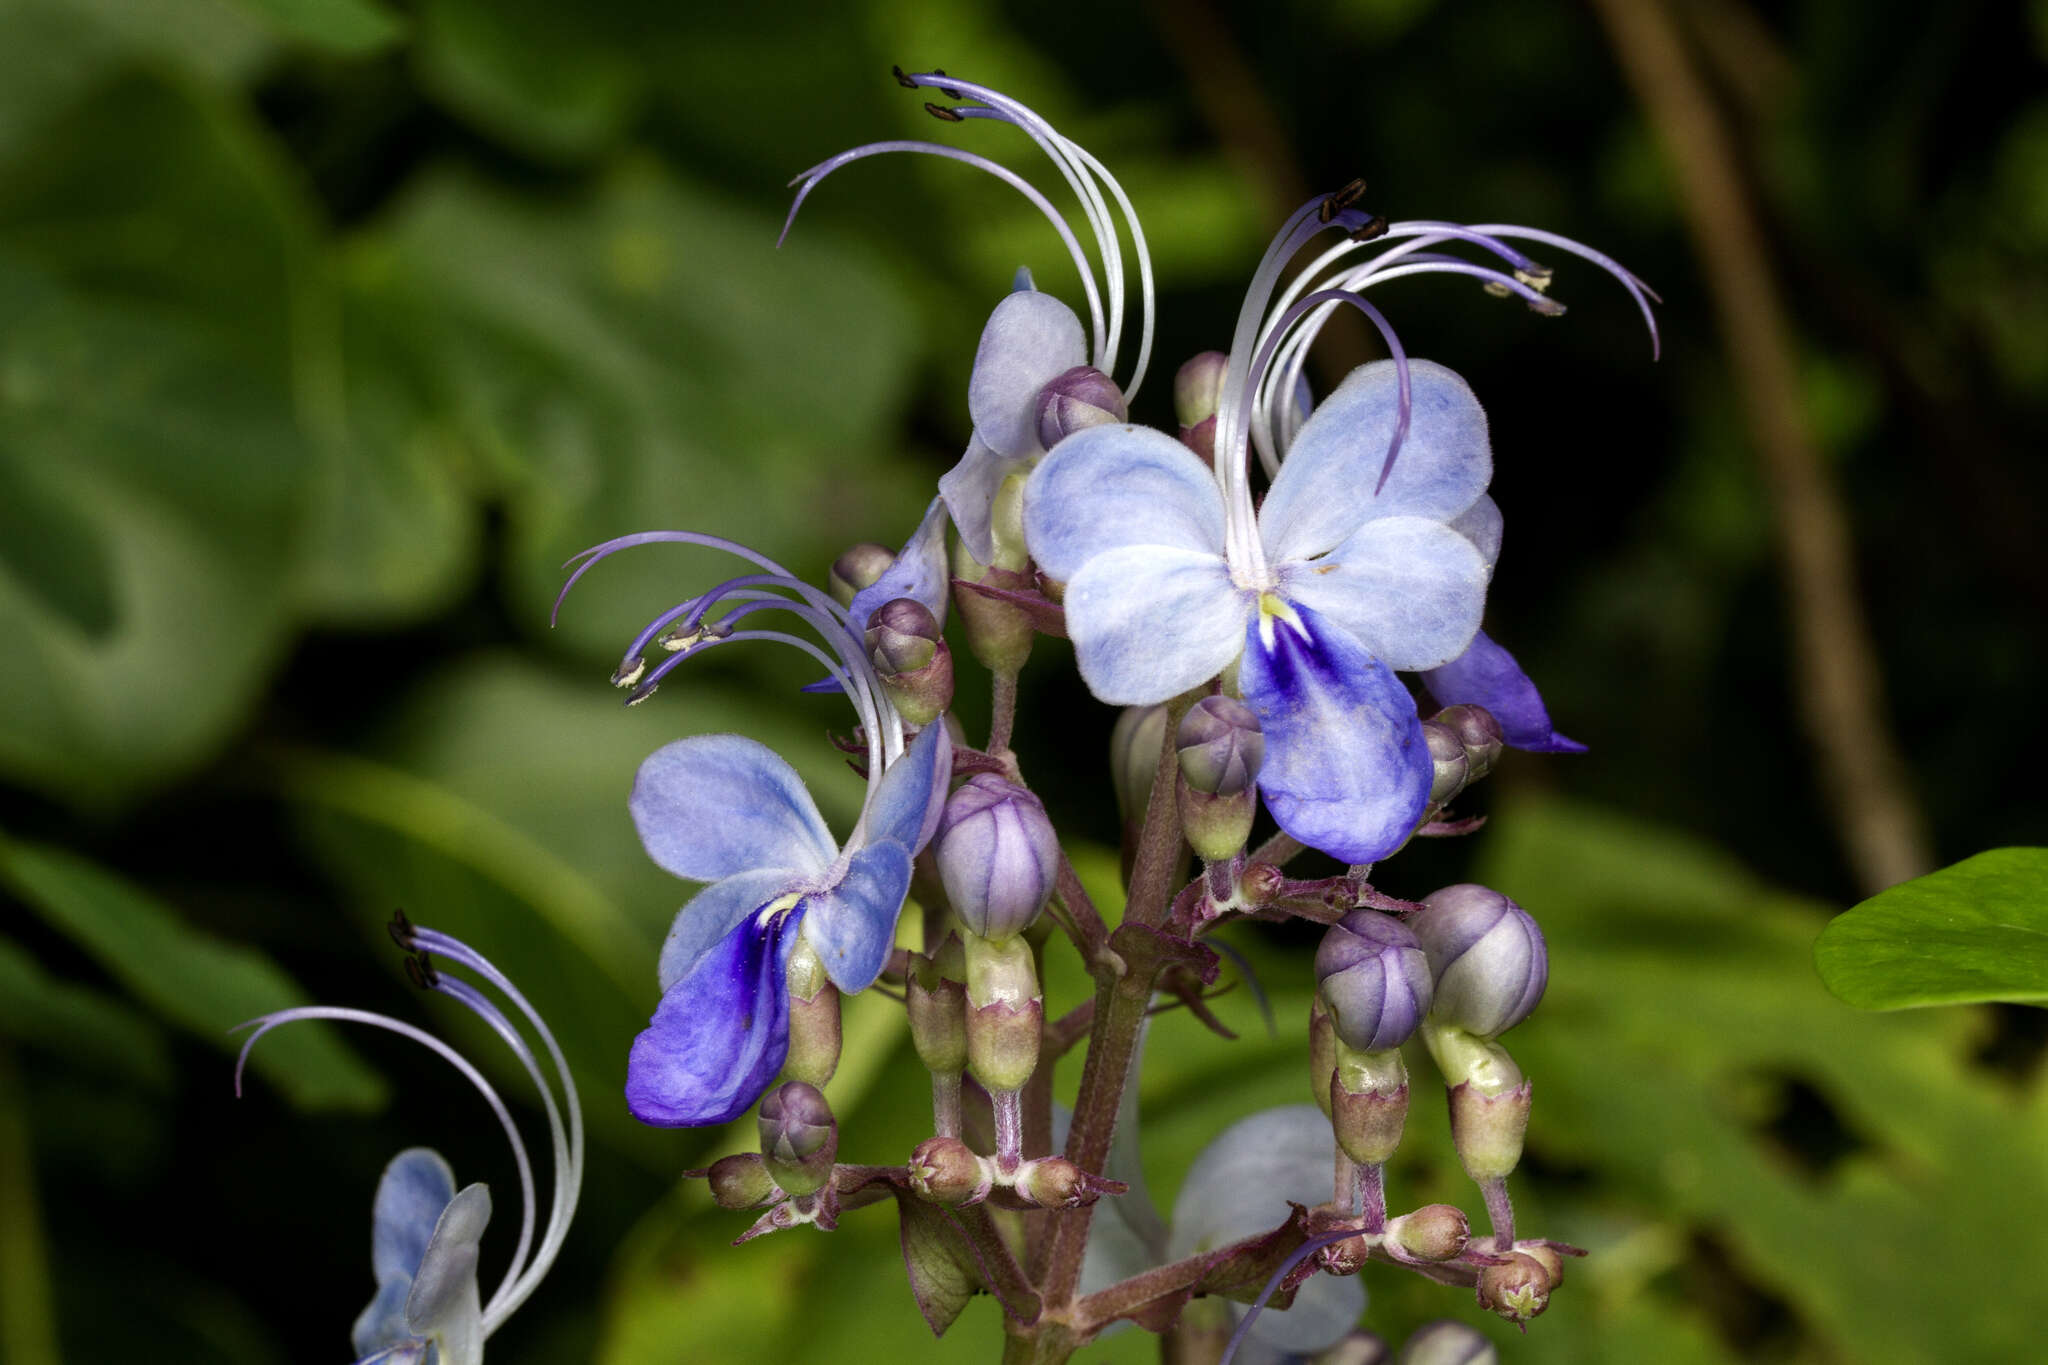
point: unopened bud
(997, 855)
(1434, 1232)
(1447, 758)
(946, 1171)
(1322, 1053)
(1448, 1343)
(1487, 1130)
(937, 996)
(1478, 731)
(1347, 1257)
(1545, 1255)
(1053, 1182)
(1368, 1104)
(908, 649)
(1005, 1012)
(1373, 975)
(813, 1019)
(741, 1182)
(1518, 1290)
(1359, 1347)
(1220, 746)
(1082, 397)
(1487, 956)
(1134, 757)
(858, 568)
(1198, 387)
(799, 1139)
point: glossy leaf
(1973, 932)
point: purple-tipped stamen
(1300, 309)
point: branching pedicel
(1257, 641)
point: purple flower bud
(902, 636)
(1198, 387)
(1478, 731)
(997, 855)
(858, 568)
(1375, 979)
(1221, 746)
(799, 1140)
(1487, 956)
(1447, 754)
(1080, 398)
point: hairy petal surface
(912, 793)
(1409, 589)
(444, 1305)
(1030, 340)
(1150, 621)
(853, 925)
(1325, 490)
(1487, 675)
(1112, 486)
(969, 490)
(919, 572)
(1347, 770)
(720, 1033)
(711, 806)
(713, 912)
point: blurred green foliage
(330, 328)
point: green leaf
(349, 28)
(79, 1023)
(194, 981)
(545, 78)
(1973, 932)
(938, 1262)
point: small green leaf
(940, 1266)
(1973, 932)
(197, 982)
(347, 27)
(78, 1023)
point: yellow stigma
(1272, 608)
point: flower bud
(1447, 756)
(1478, 731)
(813, 1019)
(1448, 1343)
(1082, 397)
(1220, 745)
(999, 633)
(1372, 974)
(1368, 1104)
(1198, 387)
(997, 855)
(798, 1137)
(1134, 757)
(1005, 1012)
(856, 569)
(937, 997)
(908, 650)
(1053, 1182)
(1545, 1255)
(1518, 1290)
(1359, 1347)
(946, 1171)
(1487, 956)
(741, 1182)
(1434, 1232)
(1322, 1053)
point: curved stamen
(811, 178)
(343, 1014)
(1301, 1253)
(1629, 280)
(1300, 309)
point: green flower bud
(908, 650)
(1005, 1012)
(946, 1171)
(937, 996)
(856, 569)
(741, 1182)
(1518, 1290)
(1434, 1232)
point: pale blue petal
(1112, 486)
(721, 1032)
(711, 914)
(714, 805)
(1347, 770)
(969, 489)
(445, 1305)
(415, 1187)
(1149, 622)
(1325, 488)
(919, 573)
(912, 793)
(1487, 675)
(412, 1351)
(1481, 524)
(1410, 590)
(1241, 1185)
(853, 925)
(1031, 339)
(381, 1325)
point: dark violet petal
(1112, 486)
(822, 687)
(1030, 340)
(1347, 769)
(714, 805)
(1325, 490)
(713, 912)
(720, 1033)
(919, 572)
(912, 791)
(1487, 675)
(853, 925)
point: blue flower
(1370, 553)
(425, 1232)
(727, 810)
(1031, 339)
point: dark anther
(400, 929)
(940, 111)
(1375, 226)
(420, 968)
(1341, 200)
(901, 79)
(947, 91)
